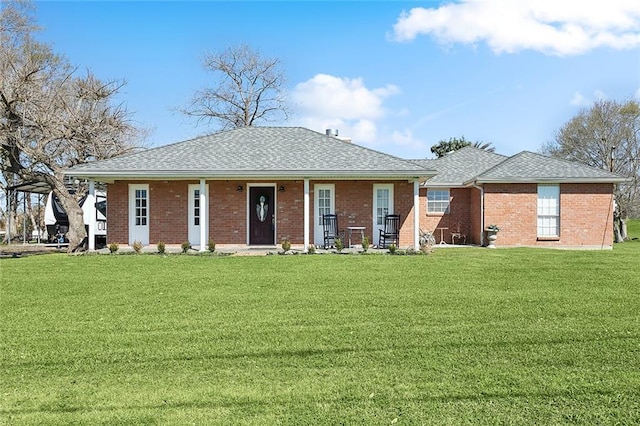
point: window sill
(548, 238)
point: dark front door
(262, 209)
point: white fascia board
(251, 174)
(549, 180)
(428, 184)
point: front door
(324, 200)
(139, 213)
(194, 213)
(262, 215)
(382, 206)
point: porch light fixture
(240, 188)
(281, 188)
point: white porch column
(91, 213)
(204, 216)
(416, 214)
(306, 215)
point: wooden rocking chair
(391, 232)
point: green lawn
(469, 335)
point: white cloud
(600, 95)
(638, 93)
(582, 101)
(556, 27)
(579, 100)
(406, 139)
(329, 102)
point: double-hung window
(548, 211)
(437, 201)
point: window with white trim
(383, 202)
(324, 203)
(548, 211)
(141, 207)
(196, 207)
(437, 201)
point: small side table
(356, 228)
(442, 241)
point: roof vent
(332, 132)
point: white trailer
(95, 214)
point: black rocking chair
(391, 232)
(331, 230)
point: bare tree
(250, 89)
(606, 136)
(52, 119)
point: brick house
(534, 200)
(261, 185)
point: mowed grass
(461, 336)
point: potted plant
(492, 235)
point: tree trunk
(35, 222)
(623, 229)
(617, 236)
(77, 234)
(11, 217)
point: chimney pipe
(332, 132)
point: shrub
(365, 243)
(339, 244)
(286, 245)
(312, 249)
(137, 246)
(186, 246)
(161, 247)
(113, 247)
(392, 248)
(211, 246)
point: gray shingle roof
(295, 152)
(468, 165)
(530, 167)
(252, 152)
(458, 167)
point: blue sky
(396, 76)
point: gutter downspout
(481, 188)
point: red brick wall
(589, 210)
(168, 211)
(403, 205)
(585, 214)
(460, 218)
(290, 216)
(585, 211)
(227, 212)
(168, 204)
(118, 212)
(476, 231)
(354, 207)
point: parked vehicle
(57, 222)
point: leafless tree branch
(249, 90)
